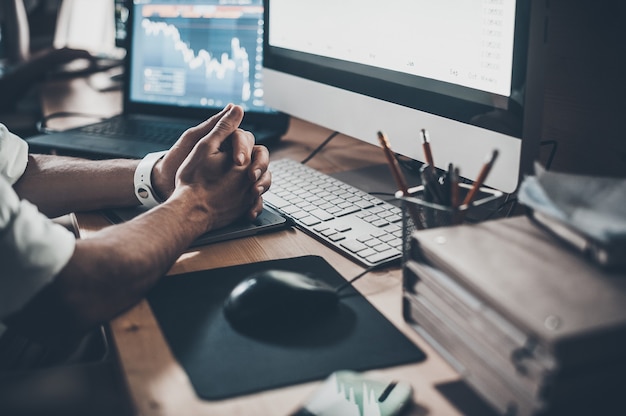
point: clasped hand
(221, 165)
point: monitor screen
(197, 53)
(467, 71)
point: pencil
(428, 154)
(393, 164)
(398, 177)
(482, 175)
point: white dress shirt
(33, 249)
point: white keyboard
(359, 225)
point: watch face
(142, 192)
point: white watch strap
(143, 183)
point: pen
(454, 188)
(426, 146)
(398, 176)
(445, 186)
(482, 175)
(432, 191)
(454, 195)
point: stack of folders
(531, 325)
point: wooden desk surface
(159, 385)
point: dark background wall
(585, 86)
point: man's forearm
(59, 185)
(114, 268)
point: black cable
(357, 277)
(320, 147)
(512, 207)
(409, 164)
(554, 145)
(510, 199)
(512, 202)
(42, 124)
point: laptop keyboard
(359, 225)
(142, 130)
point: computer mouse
(274, 300)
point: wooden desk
(159, 385)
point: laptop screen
(197, 54)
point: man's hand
(224, 172)
(240, 145)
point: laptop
(185, 61)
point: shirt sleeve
(33, 249)
(13, 155)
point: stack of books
(531, 325)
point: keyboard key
(382, 256)
(354, 246)
(364, 238)
(387, 238)
(276, 201)
(367, 253)
(343, 228)
(380, 222)
(321, 214)
(363, 203)
(337, 237)
(299, 215)
(310, 220)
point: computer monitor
(467, 71)
(88, 25)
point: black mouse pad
(222, 362)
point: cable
(357, 277)
(554, 145)
(42, 124)
(512, 207)
(508, 200)
(409, 164)
(320, 147)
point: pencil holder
(418, 214)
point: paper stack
(530, 324)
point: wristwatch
(143, 183)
